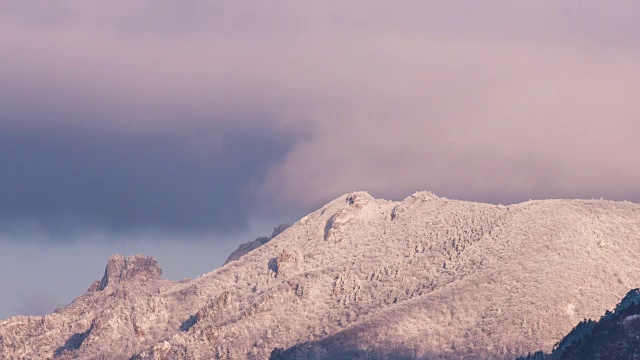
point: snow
(423, 276)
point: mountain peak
(120, 268)
(423, 195)
(367, 278)
(358, 198)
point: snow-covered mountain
(426, 277)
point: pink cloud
(493, 101)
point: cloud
(197, 115)
(64, 180)
(482, 121)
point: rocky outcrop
(116, 317)
(348, 215)
(426, 277)
(119, 269)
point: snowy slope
(423, 277)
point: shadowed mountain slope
(426, 277)
(615, 336)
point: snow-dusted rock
(120, 269)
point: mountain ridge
(426, 276)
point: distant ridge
(247, 247)
(426, 277)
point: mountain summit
(120, 268)
(364, 278)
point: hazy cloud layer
(196, 115)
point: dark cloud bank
(62, 180)
(196, 116)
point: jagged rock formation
(247, 247)
(116, 316)
(120, 269)
(425, 277)
(615, 336)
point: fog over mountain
(426, 277)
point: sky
(182, 128)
